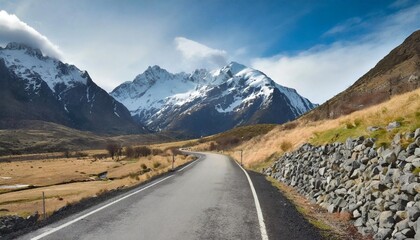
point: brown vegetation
(68, 178)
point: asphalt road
(208, 199)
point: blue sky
(317, 47)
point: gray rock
(356, 214)
(359, 222)
(389, 156)
(415, 161)
(397, 139)
(417, 133)
(408, 232)
(391, 126)
(413, 213)
(412, 188)
(403, 224)
(386, 219)
(321, 171)
(382, 234)
(332, 208)
(417, 152)
(372, 128)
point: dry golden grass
(261, 150)
(68, 180)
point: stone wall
(379, 187)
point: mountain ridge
(207, 102)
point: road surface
(211, 198)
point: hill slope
(396, 73)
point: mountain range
(207, 102)
(37, 87)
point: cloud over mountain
(12, 29)
(199, 54)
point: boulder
(386, 219)
(392, 125)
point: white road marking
(190, 164)
(53, 230)
(263, 230)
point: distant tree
(129, 152)
(67, 153)
(114, 149)
(143, 151)
(212, 146)
(156, 151)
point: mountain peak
(235, 67)
(23, 46)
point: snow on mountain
(158, 98)
(38, 87)
(30, 64)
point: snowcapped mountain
(206, 102)
(37, 87)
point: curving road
(209, 199)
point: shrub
(99, 156)
(129, 152)
(357, 122)
(142, 151)
(212, 146)
(156, 164)
(66, 154)
(156, 151)
(80, 154)
(349, 125)
(285, 146)
(143, 166)
(113, 149)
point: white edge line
(263, 229)
(190, 164)
(96, 210)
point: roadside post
(43, 206)
(173, 161)
(241, 157)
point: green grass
(358, 127)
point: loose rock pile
(379, 187)
(9, 224)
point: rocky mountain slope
(207, 102)
(37, 87)
(396, 73)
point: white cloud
(12, 29)
(343, 27)
(323, 71)
(319, 74)
(197, 55)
